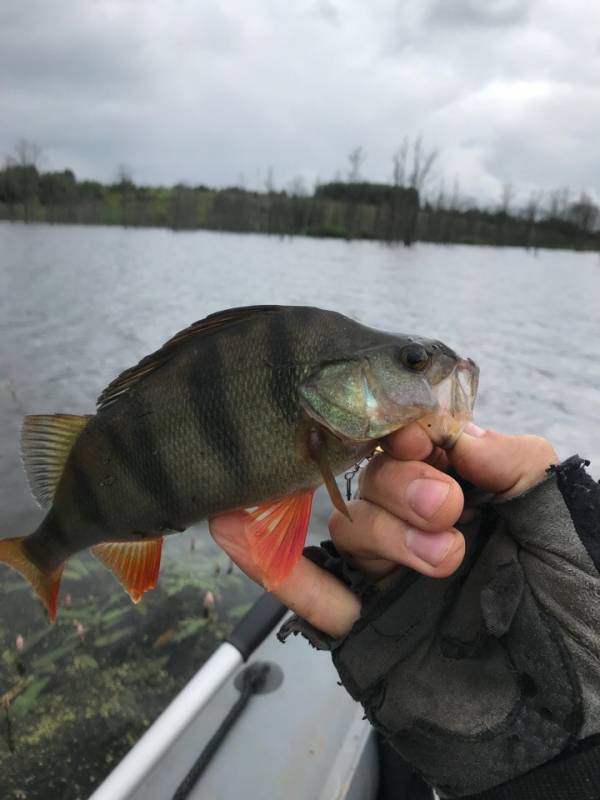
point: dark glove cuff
(582, 497)
(573, 775)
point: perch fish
(251, 408)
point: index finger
(408, 444)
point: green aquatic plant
(82, 691)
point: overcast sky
(216, 91)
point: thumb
(496, 462)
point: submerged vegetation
(401, 211)
(77, 695)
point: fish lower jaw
(443, 429)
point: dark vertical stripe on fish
(140, 455)
(281, 360)
(219, 429)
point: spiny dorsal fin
(46, 441)
(134, 564)
(214, 322)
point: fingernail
(430, 547)
(426, 496)
(473, 430)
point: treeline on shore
(352, 209)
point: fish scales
(205, 432)
(243, 408)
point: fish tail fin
(45, 584)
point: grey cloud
(475, 13)
(523, 150)
(47, 52)
(201, 92)
(327, 9)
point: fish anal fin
(135, 564)
(46, 441)
(276, 534)
(211, 324)
(45, 584)
(317, 449)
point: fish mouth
(454, 399)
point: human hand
(405, 516)
(484, 676)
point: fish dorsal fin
(276, 533)
(211, 324)
(135, 564)
(46, 441)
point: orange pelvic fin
(276, 535)
(135, 564)
(45, 584)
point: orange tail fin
(45, 584)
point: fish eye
(415, 357)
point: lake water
(78, 304)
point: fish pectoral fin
(46, 441)
(276, 534)
(135, 564)
(317, 448)
(45, 584)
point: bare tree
(533, 206)
(506, 197)
(422, 162)
(584, 213)
(399, 162)
(356, 158)
(559, 203)
(532, 212)
(23, 166)
(440, 201)
(270, 180)
(454, 204)
(126, 187)
(27, 154)
(124, 176)
(504, 207)
(297, 187)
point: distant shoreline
(21, 222)
(341, 210)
